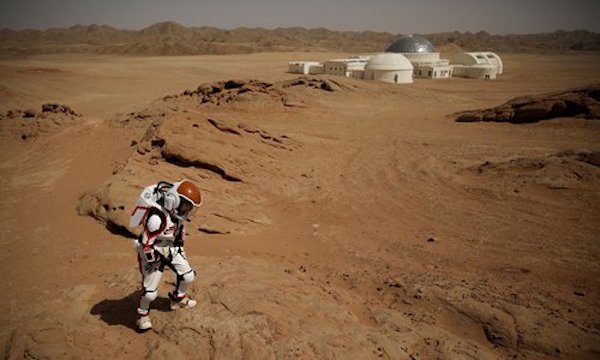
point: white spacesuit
(161, 210)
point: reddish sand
(374, 226)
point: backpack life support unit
(148, 198)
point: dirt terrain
(342, 218)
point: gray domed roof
(411, 44)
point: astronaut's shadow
(123, 311)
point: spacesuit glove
(180, 238)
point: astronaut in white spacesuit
(162, 210)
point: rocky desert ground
(342, 219)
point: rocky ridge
(27, 124)
(170, 38)
(199, 135)
(581, 102)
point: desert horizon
(172, 38)
(174, 23)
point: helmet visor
(185, 207)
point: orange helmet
(182, 198)
(189, 191)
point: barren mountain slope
(170, 38)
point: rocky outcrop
(315, 83)
(47, 110)
(109, 206)
(568, 169)
(581, 102)
(59, 109)
(27, 124)
(498, 326)
(210, 137)
(223, 92)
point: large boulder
(581, 102)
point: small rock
(393, 283)
(592, 158)
(29, 113)
(293, 103)
(431, 239)
(469, 117)
(329, 86)
(49, 107)
(579, 293)
(13, 113)
(234, 84)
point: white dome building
(477, 65)
(392, 68)
(422, 55)
(411, 44)
(478, 58)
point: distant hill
(170, 38)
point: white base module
(433, 71)
(486, 72)
(478, 58)
(408, 57)
(389, 67)
(304, 67)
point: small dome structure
(411, 44)
(478, 58)
(389, 67)
(389, 61)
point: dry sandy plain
(366, 222)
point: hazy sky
(395, 16)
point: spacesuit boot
(143, 323)
(149, 294)
(181, 301)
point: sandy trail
(345, 265)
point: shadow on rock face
(123, 311)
